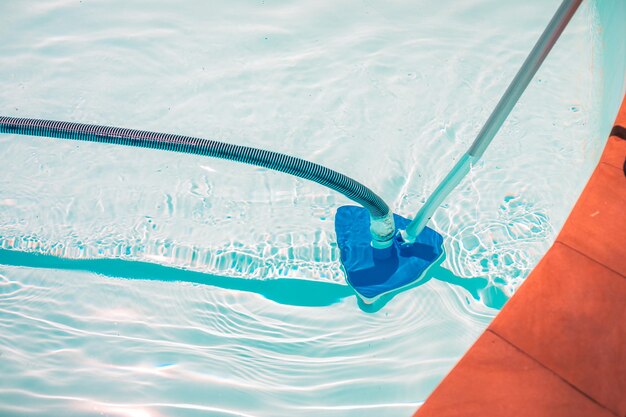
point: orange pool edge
(558, 347)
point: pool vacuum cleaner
(381, 252)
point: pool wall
(612, 15)
(556, 348)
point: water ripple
(140, 283)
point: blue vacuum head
(374, 273)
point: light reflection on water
(388, 94)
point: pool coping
(558, 347)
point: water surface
(141, 283)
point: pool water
(143, 283)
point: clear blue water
(139, 283)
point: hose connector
(383, 230)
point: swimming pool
(389, 95)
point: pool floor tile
(597, 224)
(495, 378)
(570, 315)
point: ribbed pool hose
(382, 227)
